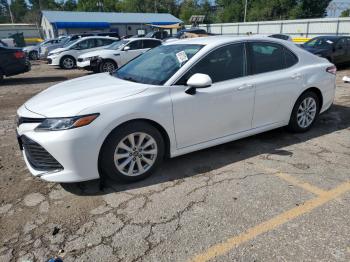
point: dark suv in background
(335, 48)
(13, 61)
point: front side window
(86, 44)
(341, 44)
(150, 43)
(157, 65)
(135, 45)
(319, 43)
(225, 63)
(266, 57)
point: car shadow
(32, 80)
(271, 142)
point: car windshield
(157, 65)
(71, 42)
(118, 44)
(319, 43)
(150, 34)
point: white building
(55, 23)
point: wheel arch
(317, 91)
(68, 55)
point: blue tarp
(100, 25)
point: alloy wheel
(306, 112)
(108, 67)
(68, 63)
(135, 154)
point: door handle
(296, 76)
(245, 86)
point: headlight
(64, 123)
(56, 53)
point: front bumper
(83, 64)
(75, 150)
(54, 60)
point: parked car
(13, 61)
(176, 98)
(116, 55)
(35, 52)
(157, 34)
(3, 43)
(67, 56)
(335, 48)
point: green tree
(310, 9)
(4, 12)
(260, 10)
(230, 11)
(345, 13)
(189, 8)
(97, 5)
(19, 9)
(69, 5)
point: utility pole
(245, 10)
(9, 4)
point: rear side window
(150, 43)
(222, 64)
(291, 59)
(267, 57)
(135, 45)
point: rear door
(276, 81)
(340, 51)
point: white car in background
(67, 56)
(177, 98)
(116, 55)
(35, 52)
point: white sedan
(177, 98)
(66, 57)
(116, 55)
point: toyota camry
(177, 98)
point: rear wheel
(33, 55)
(67, 62)
(305, 112)
(132, 152)
(108, 66)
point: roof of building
(109, 17)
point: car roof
(97, 36)
(143, 38)
(218, 40)
(330, 36)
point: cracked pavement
(191, 203)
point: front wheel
(132, 152)
(108, 66)
(67, 62)
(305, 112)
(33, 55)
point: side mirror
(198, 81)
(126, 48)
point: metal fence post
(281, 29)
(338, 22)
(237, 29)
(307, 28)
(257, 29)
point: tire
(1, 76)
(303, 119)
(67, 62)
(33, 55)
(119, 161)
(108, 66)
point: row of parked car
(106, 53)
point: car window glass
(86, 44)
(266, 57)
(290, 58)
(341, 44)
(135, 45)
(99, 42)
(225, 63)
(150, 43)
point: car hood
(61, 49)
(71, 97)
(100, 52)
(30, 48)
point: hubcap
(135, 154)
(68, 63)
(306, 112)
(108, 67)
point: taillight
(19, 54)
(332, 70)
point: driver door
(224, 108)
(340, 51)
(134, 51)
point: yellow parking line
(226, 246)
(304, 185)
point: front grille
(80, 59)
(28, 120)
(38, 157)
